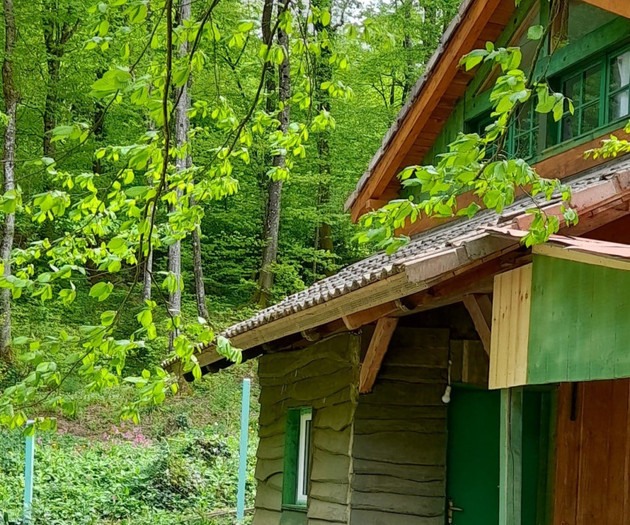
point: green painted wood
(289, 482)
(473, 459)
(579, 329)
(511, 457)
(605, 38)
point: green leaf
(325, 18)
(145, 318)
(107, 318)
(101, 291)
(535, 32)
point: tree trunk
(56, 36)
(274, 198)
(323, 73)
(182, 125)
(147, 268)
(200, 287)
(11, 101)
(409, 76)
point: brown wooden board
(592, 454)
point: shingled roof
(431, 254)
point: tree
(274, 197)
(323, 79)
(59, 24)
(11, 98)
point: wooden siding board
(579, 329)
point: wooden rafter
(479, 307)
(376, 352)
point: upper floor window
(600, 94)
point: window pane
(571, 88)
(568, 131)
(590, 118)
(592, 85)
(620, 71)
(619, 105)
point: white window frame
(301, 492)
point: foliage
(122, 473)
(107, 189)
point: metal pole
(28, 473)
(242, 466)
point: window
(303, 459)
(600, 94)
(297, 458)
(522, 134)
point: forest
(169, 167)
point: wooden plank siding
(593, 454)
(399, 451)
(323, 376)
(579, 322)
(510, 328)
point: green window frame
(600, 91)
(297, 458)
(522, 135)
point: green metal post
(242, 467)
(28, 474)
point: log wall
(323, 376)
(400, 434)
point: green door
(473, 456)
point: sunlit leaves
(101, 291)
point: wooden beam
(479, 307)
(376, 352)
(511, 457)
(619, 7)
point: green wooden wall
(580, 322)
(400, 434)
(323, 376)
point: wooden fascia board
(445, 69)
(619, 7)
(379, 343)
(575, 255)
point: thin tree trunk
(56, 36)
(147, 264)
(11, 101)
(408, 77)
(146, 276)
(323, 73)
(200, 287)
(182, 125)
(274, 199)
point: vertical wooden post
(511, 457)
(29, 458)
(242, 466)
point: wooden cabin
(466, 379)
